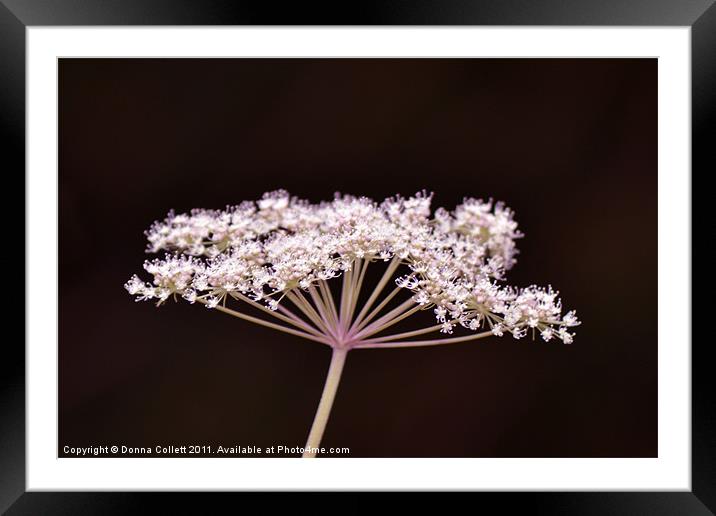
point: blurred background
(569, 144)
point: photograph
(357, 257)
(430, 247)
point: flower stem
(356, 290)
(368, 331)
(359, 326)
(371, 328)
(398, 336)
(395, 262)
(290, 317)
(301, 303)
(323, 312)
(268, 324)
(326, 290)
(417, 343)
(324, 406)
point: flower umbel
(285, 257)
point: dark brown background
(571, 145)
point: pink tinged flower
(518, 333)
(190, 295)
(284, 257)
(570, 319)
(409, 282)
(447, 327)
(134, 286)
(566, 337)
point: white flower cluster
(280, 244)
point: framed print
(425, 250)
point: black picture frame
(700, 15)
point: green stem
(324, 406)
